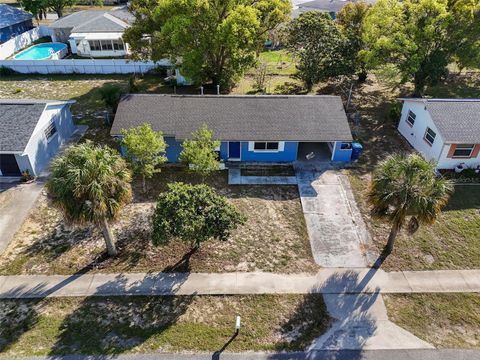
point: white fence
(90, 66)
(21, 41)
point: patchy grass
(116, 325)
(273, 239)
(278, 62)
(444, 320)
(452, 242)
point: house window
(463, 150)
(50, 130)
(429, 136)
(118, 45)
(94, 45)
(264, 146)
(411, 118)
(106, 45)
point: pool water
(40, 51)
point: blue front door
(234, 150)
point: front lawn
(274, 237)
(116, 325)
(444, 320)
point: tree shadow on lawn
(464, 197)
(109, 325)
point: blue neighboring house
(252, 129)
(13, 22)
(31, 133)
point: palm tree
(407, 186)
(91, 184)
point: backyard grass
(444, 320)
(274, 237)
(97, 325)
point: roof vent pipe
(201, 90)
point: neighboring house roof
(18, 119)
(276, 117)
(457, 120)
(93, 21)
(10, 15)
(326, 5)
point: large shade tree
(407, 188)
(212, 41)
(91, 184)
(350, 20)
(321, 48)
(422, 37)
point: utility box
(357, 149)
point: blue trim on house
(224, 150)
(340, 154)
(174, 149)
(288, 154)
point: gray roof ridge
(278, 96)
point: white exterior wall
(39, 150)
(450, 163)
(415, 134)
(82, 48)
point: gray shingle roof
(17, 122)
(457, 120)
(287, 118)
(10, 15)
(94, 21)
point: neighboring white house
(94, 33)
(31, 132)
(446, 131)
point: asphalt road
(435, 354)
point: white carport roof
(97, 36)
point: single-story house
(276, 128)
(446, 131)
(94, 33)
(13, 22)
(31, 132)
(329, 6)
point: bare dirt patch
(274, 237)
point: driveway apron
(333, 221)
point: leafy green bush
(395, 112)
(5, 71)
(111, 94)
(193, 213)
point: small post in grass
(237, 325)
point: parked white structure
(446, 131)
(94, 33)
(31, 133)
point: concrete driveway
(15, 204)
(335, 226)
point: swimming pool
(43, 51)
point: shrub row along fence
(21, 41)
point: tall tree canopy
(320, 46)
(421, 37)
(350, 19)
(211, 40)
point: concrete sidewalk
(326, 281)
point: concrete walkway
(335, 226)
(327, 281)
